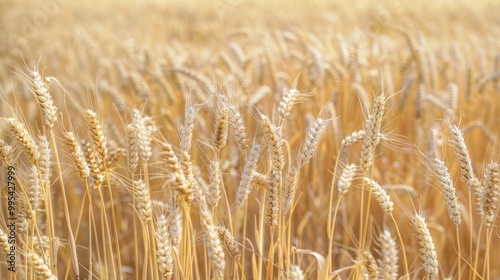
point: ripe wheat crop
(249, 140)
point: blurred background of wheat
(434, 65)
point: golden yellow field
(239, 139)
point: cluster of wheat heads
(306, 150)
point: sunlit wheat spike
(274, 143)
(175, 226)
(142, 200)
(296, 273)
(93, 162)
(458, 144)
(383, 199)
(346, 177)
(44, 163)
(272, 198)
(212, 241)
(164, 248)
(228, 242)
(490, 193)
(133, 148)
(41, 269)
(44, 99)
(97, 134)
(214, 188)
(144, 130)
(245, 185)
(372, 132)
(388, 264)
(427, 249)
(77, 155)
(4, 243)
(220, 135)
(355, 137)
(446, 185)
(370, 265)
(238, 127)
(4, 150)
(25, 139)
(289, 185)
(34, 191)
(186, 138)
(311, 141)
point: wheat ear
(212, 240)
(77, 155)
(388, 264)
(427, 250)
(458, 144)
(245, 185)
(4, 150)
(372, 133)
(490, 193)
(446, 185)
(30, 146)
(41, 269)
(97, 135)
(44, 99)
(346, 177)
(383, 199)
(143, 201)
(164, 248)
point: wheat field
(239, 139)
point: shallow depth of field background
(161, 57)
